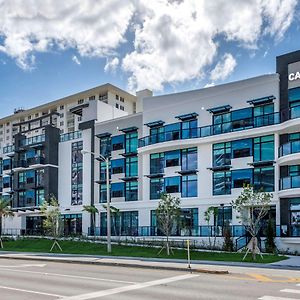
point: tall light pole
(106, 160)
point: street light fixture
(106, 160)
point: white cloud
(176, 41)
(76, 60)
(173, 41)
(111, 65)
(223, 68)
(94, 28)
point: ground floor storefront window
(72, 224)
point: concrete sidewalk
(215, 267)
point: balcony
(70, 136)
(33, 140)
(289, 148)
(35, 161)
(211, 130)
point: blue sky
(53, 50)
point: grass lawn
(74, 247)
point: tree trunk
(168, 248)
(254, 248)
(1, 245)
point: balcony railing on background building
(70, 136)
(289, 148)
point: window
(103, 197)
(7, 182)
(241, 177)
(121, 99)
(241, 148)
(131, 191)
(172, 158)
(118, 142)
(61, 107)
(103, 170)
(156, 188)
(222, 183)
(105, 146)
(30, 176)
(103, 97)
(222, 123)
(61, 123)
(80, 101)
(189, 186)
(39, 197)
(157, 134)
(221, 154)
(172, 184)
(131, 166)
(173, 131)
(117, 105)
(263, 110)
(40, 175)
(157, 163)
(117, 166)
(189, 129)
(117, 97)
(7, 164)
(117, 190)
(264, 179)
(131, 139)
(189, 159)
(224, 216)
(122, 107)
(264, 148)
(294, 170)
(92, 98)
(61, 115)
(241, 118)
(76, 180)
(29, 198)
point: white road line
(24, 266)
(29, 291)
(290, 291)
(275, 298)
(129, 288)
(70, 276)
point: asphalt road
(41, 281)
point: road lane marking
(275, 298)
(31, 292)
(290, 291)
(260, 277)
(25, 266)
(70, 276)
(129, 288)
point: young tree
(167, 214)
(115, 215)
(252, 206)
(212, 211)
(228, 242)
(92, 210)
(5, 211)
(53, 222)
(270, 234)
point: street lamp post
(108, 224)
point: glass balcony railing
(290, 182)
(70, 136)
(289, 148)
(33, 140)
(8, 149)
(238, 125)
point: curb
(119, 264)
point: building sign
(294, 75)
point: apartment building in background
(201, 146)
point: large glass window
(118, 166)
(241, 177)
(131, 142)
(7, 164)
(39, 197)
(156, 188)
(295, 216)
(241, 118)
(131, 166)
(40, 177)
(7, 182)
(157, 134)
(189, 129)
(76, 181)
(117, 190)
(172, 158)
(29, 198)
(189, 159)
(103, 170)
(241, 148)
(222, 123)
(30, 176)
(221, 154)
(131, 191)
(264, 179)
(117, 142)
(172, 131)
(105, 146)
(264, 148)
(172, 184)
(222, 183)
(21, 179)
(224, 216)
(263, 110)
(189, 186)
(102, 196)
(157, 163)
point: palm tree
(93, 210)
(5, 211)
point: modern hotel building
(201, 146)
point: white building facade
(202, 146)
